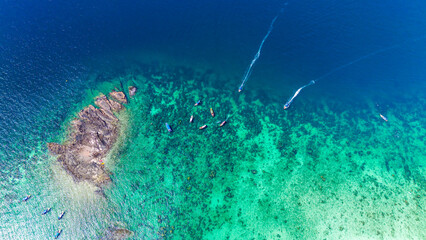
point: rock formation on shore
(92, 135)
(118, 96)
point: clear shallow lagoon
(327, 168)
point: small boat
(58, 233)
(46, 211)
(61, 215)
(240, 89)
(212, 112)
(191, 119)
(223, 123)
(169, 128)
(26, 198)
(286, 106)
(383, 117)
(202, 127)
(197, 103)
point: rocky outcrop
(119, 96)
(132, 91)
(108, 106)
(57, 148)
(91, 137)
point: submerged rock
(132, 91)
(91, 137)
(118, 232)
(121, 233)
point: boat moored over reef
(46, 211)
(58, 233)
(26, 198)
(61, 215)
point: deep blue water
(44, 43)
(309, 39)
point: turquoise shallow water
(327, 168)
(310, 174)
(319, 170)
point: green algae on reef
(323, 171)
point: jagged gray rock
(91, 137)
